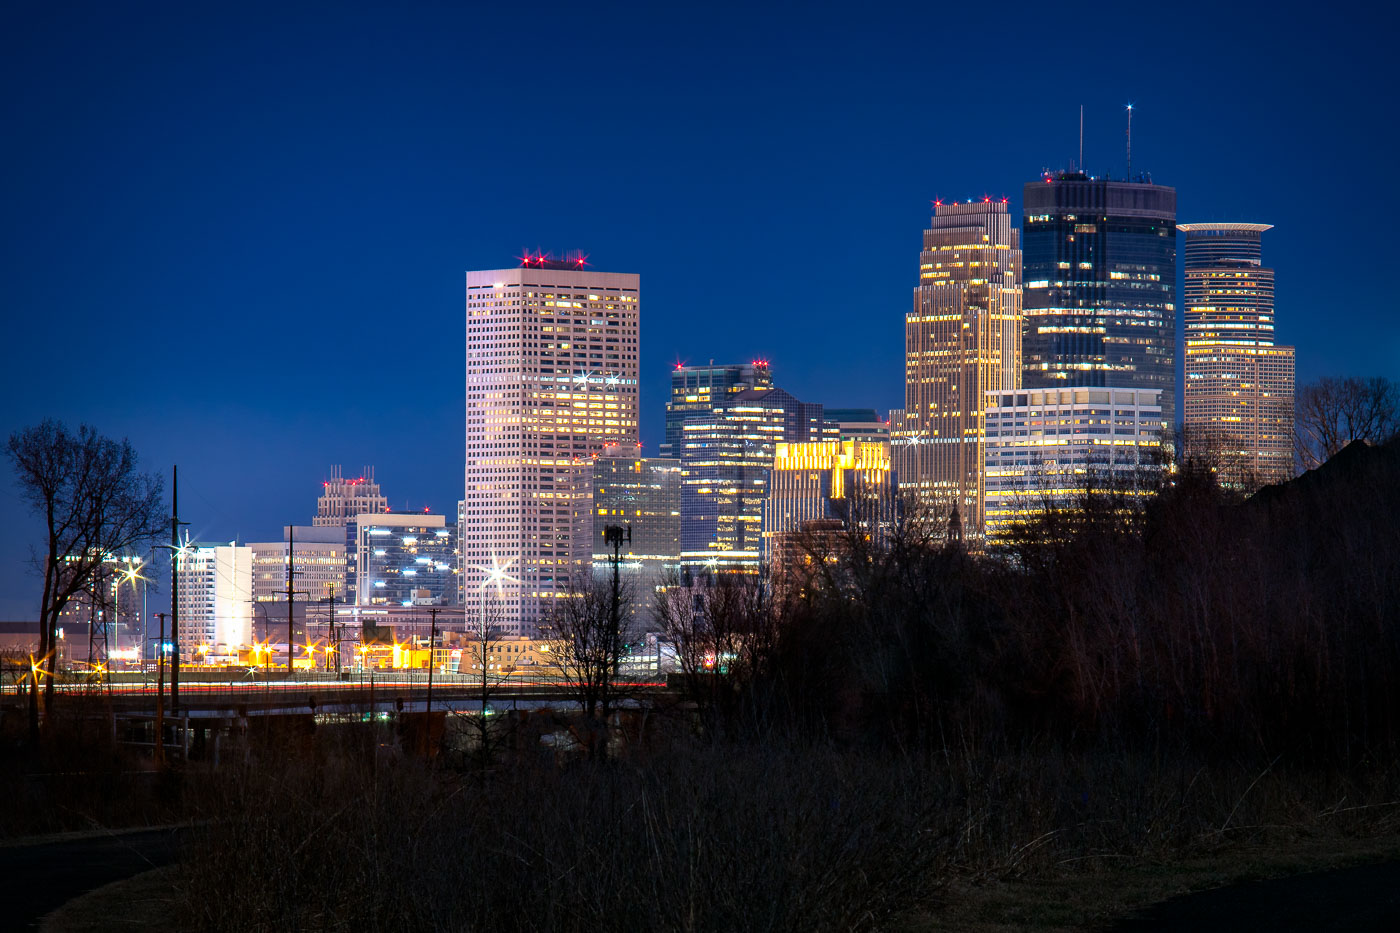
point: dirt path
(1363, 898)
(39, 878)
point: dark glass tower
(1100, 282)
(726, 455)
(699, 389)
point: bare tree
(94, 504)
(1331, 413)
(589, 637)
(483, 659)
(725, 632)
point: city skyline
(215, 255)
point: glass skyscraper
(699, 389)
(726, 454)
(1100, 283)
(404, 559)
(1239, 383)
(642, 494)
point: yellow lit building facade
(962, 340)
(1239, 383)
(829, 486)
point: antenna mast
(1081, 137)
(1130, 142)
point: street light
(497, 574)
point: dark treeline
(1199, 620)
(1132, 681)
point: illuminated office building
(551, 379)
(343, 498)
(1046, 448)
(643, 495)
(1100, 284)
(726, 455)
(856, 424)
(820, 492)
(700, 389)
(962, 339)
(319, 565)
(1239, 383)
(404, 559)
(216, 605)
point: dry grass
(780, 836)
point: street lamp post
(497, 574)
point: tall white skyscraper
(551, 361)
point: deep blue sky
(236, 233)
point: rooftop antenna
(1081, 137)
(1130, 142)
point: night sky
(236, 234)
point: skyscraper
(342, 499)
(1100, 283)
(551, 378)
(698, 389)
(642, 494)
(1239, 383)
(961, 340)
(726, 454)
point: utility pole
(334, 633)
(614, 535)
(291, 559)
(428, 707)
(160, 692)
(174, 588)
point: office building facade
(551, 379)
(856, 424)
(1046, 448)
(726, 456)
(820, 493)
(215, 601)
(318, 565)
(1100, 285)
(404, 559)
(1239, 382)
(962, 340)
(642, 495)
(698, 390)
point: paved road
(38, 879)
(1365, 898)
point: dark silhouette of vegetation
(1331, 413)
(1131, 678)
(589, 635)
(95, 504)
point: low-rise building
(1047, 448)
